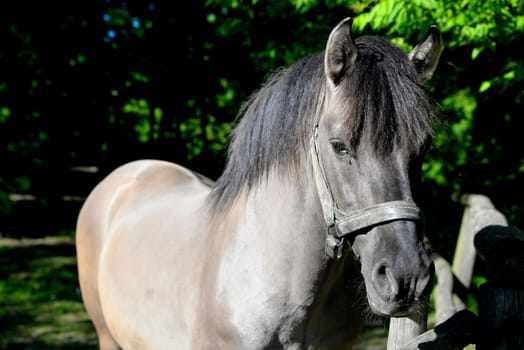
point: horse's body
(170, 260)
(212, 265)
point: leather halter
(340, 225)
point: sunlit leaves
(140, 77)
(147, 121)
(511, 75)
(5, 113)
(139, 107)
(192, 132)
(454, 143)
(476, 52)
(391, 17)
(485, 85)
(464, 104)
(227, 96)
(202, 131)
(521, 167)
(434, 170)
(79, 59)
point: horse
(312, 224)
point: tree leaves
(120, 80)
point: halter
(340, 225)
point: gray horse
(317, 195)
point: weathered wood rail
(484, 232)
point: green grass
(40, 302)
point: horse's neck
(290, 215)
(272, 265)
(279, 237)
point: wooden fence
(484, 232)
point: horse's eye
(339, 147)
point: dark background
(86, 86)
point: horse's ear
(426, 54)
(341, 51)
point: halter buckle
(334, 246)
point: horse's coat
(170, 260)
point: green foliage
(4, 114)
(137, 80)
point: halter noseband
(339, 224)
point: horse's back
(141, 203)
(128, 187)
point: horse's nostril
(385, 282)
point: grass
(40, 302)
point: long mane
(382, 98)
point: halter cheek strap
(341, 225)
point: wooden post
(443, 290)
(478, 213)
(404, 329)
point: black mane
(382, 98)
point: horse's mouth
(396, 308)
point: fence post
(404, 329)
(479, 212)
(443, 290)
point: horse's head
(373, 131)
